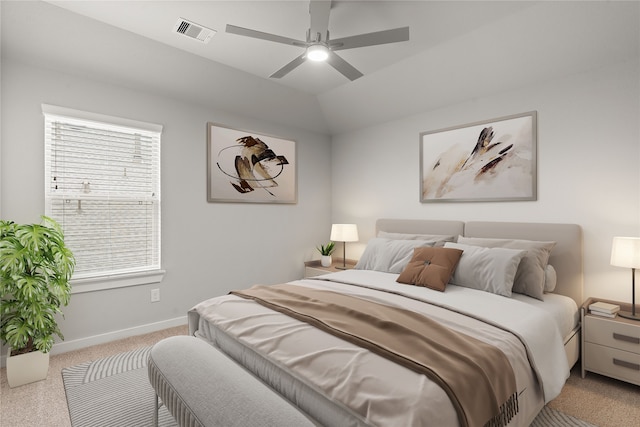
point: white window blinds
(102, 184)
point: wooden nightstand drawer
(619, 364)
(313, 272)
(612, 333)
(314, 268)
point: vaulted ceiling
(458, 50)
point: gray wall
(588, 156)
(207, 248)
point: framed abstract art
(248, 167)
(493, 160)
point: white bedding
(533, 325)
(562, 310)
(375, 390)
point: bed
(338, 380)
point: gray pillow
(389, 255)
(486, 269)
(530, 276)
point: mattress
(338, 383)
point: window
(102, 184)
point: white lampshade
(318, 52)
(625, 252)
(344, 233)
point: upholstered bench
(201, 386)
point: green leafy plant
(326, 250)
(35, 269)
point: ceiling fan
(319, 47)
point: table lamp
(344, 233)
(625, 252)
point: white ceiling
(430, 23)
(458, 51)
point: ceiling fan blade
(232, 29)
(343, 67)
(289, 67)
(371, 39)
(319, 11)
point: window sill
(80, 286)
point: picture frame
(488, 161)
(249, 167)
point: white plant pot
(26, 368)
(326, 261)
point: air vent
(193, 30)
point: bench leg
(155, 412)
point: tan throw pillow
(430, 267)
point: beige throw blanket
(476, 376)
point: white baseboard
(65, 346)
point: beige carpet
(596, 399)
(599, 400)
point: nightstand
(314, 268)
(610, 346)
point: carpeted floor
(600, 400)
(595, 399)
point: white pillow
(487, 269)
(550, 278)
(439, 239)
(530, 276)
(389, 255)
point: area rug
(549, 417)
(115, 391)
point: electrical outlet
(155, 295)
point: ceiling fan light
(318, 52)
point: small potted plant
(326, 251)
(35, 269)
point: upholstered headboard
(566, 256)
(420, 226)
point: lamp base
(629, 315)
(339, 267)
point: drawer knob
(634, 340)
(626, 364)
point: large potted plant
(35, 269)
